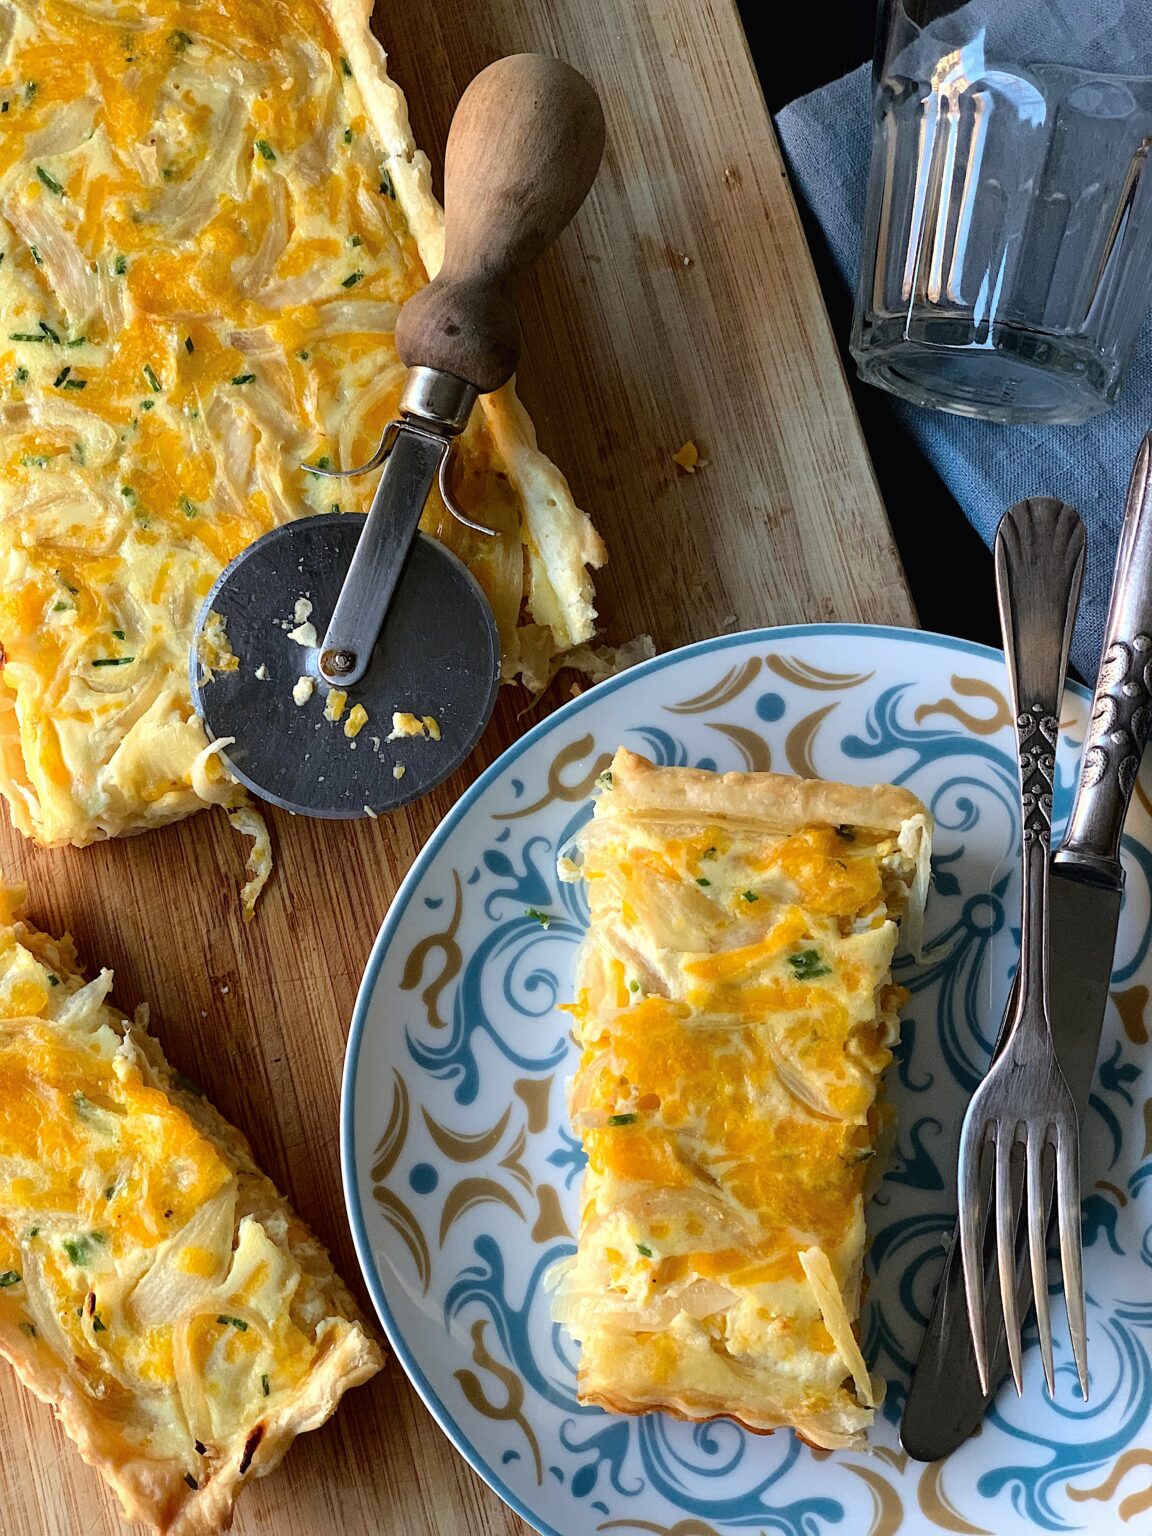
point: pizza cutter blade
(345, 665)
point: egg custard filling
(211, 212)
(155, 1288)
(735, 1010)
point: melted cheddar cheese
(153, 1285)
(735, 1011)
(210, 214)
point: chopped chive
(77, 342)
(129, 495)
(53, 981)
(120, 266)
(345, 66)
(347, 135)
(110, 1192)
(303, 356)
(323, 462)
(178, 41)
(60, 377)
(352, 279)
(265, 149)
(112, 661)
(76, 384)
(97, 1324)
(49, 181)
(186, 1085)
(644, 1249)
(34, 252)
(264, 1385)
(188, 345)
(335, 507)
(21, 375)
(605, 779)
(33, 1232)
(387, 186)
(354, 240)
(846, 833)
(9, 1277)
(750, 896)
(187, 506)
(35, 461)
(807, 964)
(26, 336)
(78, 1250)
(3, 106)
(243, 378)
(118, 634)
(153, 381)
(700, 880)
(621, 1119)
(191, 1481)
(60, 607)
(49, 332)
(29, 1329)
(633, 986)
(30, 92)
(543, 918)
(146, 405)
(232, 1322)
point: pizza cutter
(367, 657)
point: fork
(1024, 1101)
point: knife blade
(945, 1402)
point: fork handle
(1039, 567)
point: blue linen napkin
(826, 137)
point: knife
(945, 1403)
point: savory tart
(154, 1286)
(210, 214)
(735, 1010)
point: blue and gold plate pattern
(462, 1176)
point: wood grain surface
(681, 305)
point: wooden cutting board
(681, 306)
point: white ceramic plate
(462, 1176)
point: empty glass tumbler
(1007, 256)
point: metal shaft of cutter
(408, 476)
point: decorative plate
(462, 1176)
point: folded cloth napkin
(827, 140)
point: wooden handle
(523, 149)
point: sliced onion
(350, 317)
(186, 206)
(75, 285)
(248, 821)
(233, 441)
(353, 449)
(167, 1290)
(69, 126)
(255, 272)
(7, 30)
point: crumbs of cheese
(356, 721)
(687, 458)
(334, 704)
(206, 245)
(398, 770)
(302, 690)
(213, 648)
(405, 724)
(133, 1227)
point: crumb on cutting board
(687, 457)
(334, 704)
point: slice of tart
(735, 1011)
(155, 1288)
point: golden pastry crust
(735, 1009)
(103, 1402)
(774, 800)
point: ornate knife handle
(1122, 706)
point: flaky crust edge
(561, 544)
(347, 1354)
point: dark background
(948, 566)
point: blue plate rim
(399, 905)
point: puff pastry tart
(155, 1289)
(210, 213)
(735, 1009)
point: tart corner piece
(735, 1010)
(155, 1289)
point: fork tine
(1068, 1209)
(1006, 1248)
(971, 1232)
(1038, 1207)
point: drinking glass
(1007, 256)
